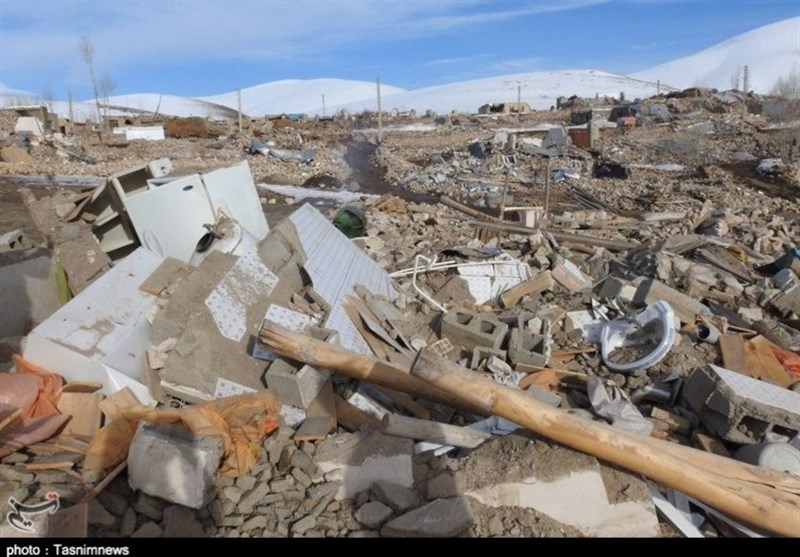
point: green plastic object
(351, 221)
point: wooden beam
(733, 354)
(773, 509)
(539, 283)
(762, 361)
(434, 432)
(353, 418)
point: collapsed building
(526, 336)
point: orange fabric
(46, 404)
(241, 421)
(789, 360)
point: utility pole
(380, 112)
(746, 79)
(658, 87)
(239, 102)
(323, 106)
(69, 98)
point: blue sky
(203, 47)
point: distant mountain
(770, 52)
(301, 96)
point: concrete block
(525, 347)
(480, 353)
(28, 289)
(685, 308)
(364, 458)
(295, 387)
(14, 240)
(568, 275)
(399, 498)
(171, 463)
(739, 408)
(788, 301)
(443, 518)
(471, 329)
(614, 287)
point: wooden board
(673, 421)
(169, 270)
(711, 444)
(762, 361)
(353, 418)
(72, 522)
(539, 283)
(85, 411)
(733, 354)
(54, 462)
(313, 429)
(111, 406)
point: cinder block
(480, 353)
(293, 386)
(739, 408)
(172, 463)
(525, 347)
(470, 329)
(614, 287)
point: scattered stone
(128, 524)
(254, 498)
(373, 514)
(255, 522)
(233, 493)
(443, 518)
(281, 485)
(399, 498)
(99, 516)
(245, 483)
(364, 534)
(321, 490)
(180, 522)
(148, 506)
(113, 502)
(148, 530)
(443, 486)
(302, 460)
(304, 524)
(301, 477)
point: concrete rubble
(631, 264)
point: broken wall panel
(102, 334)
(336, 266)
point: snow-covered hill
(770, 52)
(171, 105)
(300, 96)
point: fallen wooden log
(763, 498)
(769, 508)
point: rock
(321, 490)
(215, 510)
(373, 514)
(444, 518)
(272, 498)
(364, 534)
(148, 506)
(442, 486)
(281, 485)
(14, 474)
(148, 530)
(304, 524)
(246, 483)
(16, 458)
(399, 498)
(302, 460)
(114, 502)
(253, 523)
(64, 209)
(128, 524)
(301, 477)
(180, 522)
(232, 493)
(496, 526)
(252, 499)
(13, 154)
(99, 516)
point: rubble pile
(549, 324)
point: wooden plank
(70, 445)
(10, 418)
(762, 361)
(82, 387)
(673, 421)
(111, 406)
(711, 444)
(353, 418)
(539, 283)
(85, 411)
(72, 522)
(324, 405)
(56, 462)
(733, 353)
(378, 347)
(313, 429)
(169, 270)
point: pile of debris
(407, 366)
